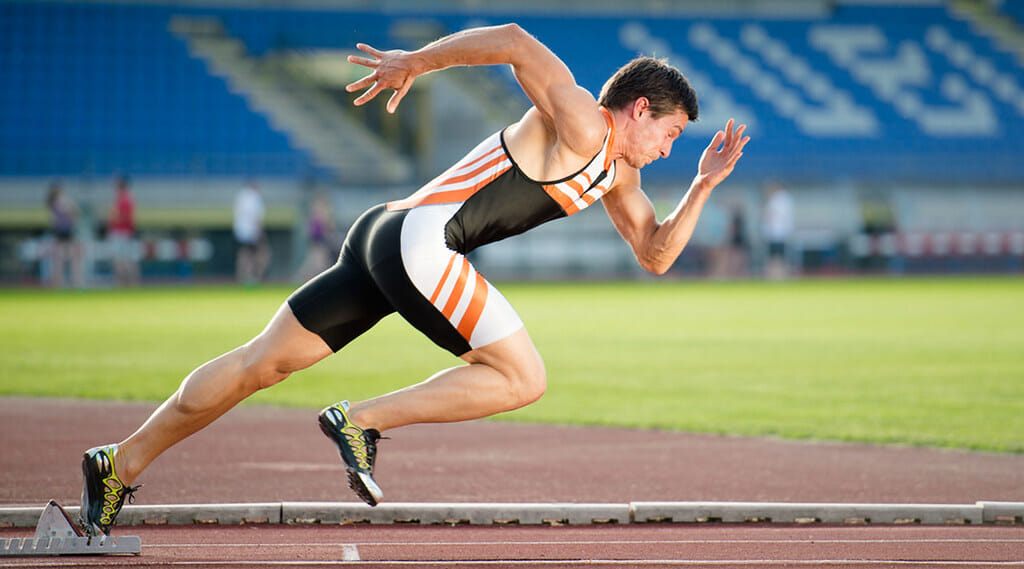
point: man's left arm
(655, 244)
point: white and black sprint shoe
(358, 449)
(103, 493)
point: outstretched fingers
(362, 83)
(723, 152)
(397, 97)
(369, 80)
(716, 141)
(369, 94)
(366, 61)
(734, 139)
(733, 147)
(728, 134)
(390, 70)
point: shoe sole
(364, 486)
(91, 530)
(360, 482)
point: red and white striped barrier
(939, 244)
(194, 249)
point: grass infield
(937, 362)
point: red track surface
(258, 455)
(679, 545)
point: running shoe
(103, 493)
(358, 449)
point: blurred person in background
(714, 221)
(729, 257)
(777, 227)
(66, 252)
(320, 227)
(409, 256)
(121, 234)
(739, 244)
(253, 253)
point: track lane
(711, 545)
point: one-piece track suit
(409, 255)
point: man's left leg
(501, 376)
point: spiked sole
(360, 482)
(90, 529)
(364, 487)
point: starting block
(56, 535)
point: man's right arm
(567, 109)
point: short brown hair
(665, 87)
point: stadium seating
(879, 93)
(1015, 9)
(907, 102)
(93, 88)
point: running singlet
(498, 200)
(409, 255)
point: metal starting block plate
(56, 535)
(123, 545)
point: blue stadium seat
(1015, 9)
(108, 88)
(878, 93)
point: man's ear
(640, 106)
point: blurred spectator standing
(730, 256)
(738, 246)
(66, 251)
(777, 229)
(121, 234)
(714, 222)
(253, 252)
(924, 79)
(320, 232)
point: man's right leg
(283, 347)
(213, 388)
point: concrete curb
(807, 513)
(474, 514)
(543, 513)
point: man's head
(666, 89)
(656, 102)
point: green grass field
(936, 362)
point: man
(777, 226)
(409, 256)
(66, 250)
(121, 232)
(253, 253)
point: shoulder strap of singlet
(611, 137)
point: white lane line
(549, 562)
(640, 562)
(593, 542)
(637, 562)
(349, 553)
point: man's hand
(719, 158)
(391, 70)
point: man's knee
(518, 362)
(261, 370)
(529, 380)
(231, 377)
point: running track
(268, 455)
(655, 545)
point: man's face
(652, 138)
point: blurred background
(196, 141)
